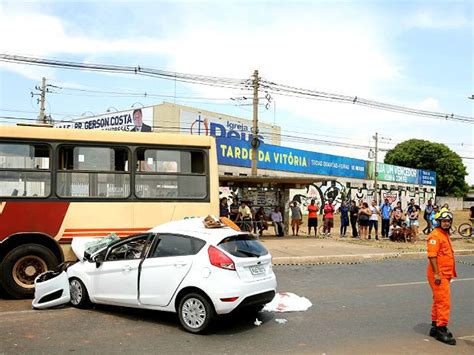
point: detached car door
(167, 264)
(116, 278)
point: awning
(269, 181)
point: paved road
(369, 308)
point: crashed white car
(178, 267)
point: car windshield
(243, 246)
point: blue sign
(239, 153)
(427, 177)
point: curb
(353, 259)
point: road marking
(466, 337)
(421, 282)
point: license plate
(257, 269)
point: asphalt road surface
(370, 308)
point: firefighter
(441, 269)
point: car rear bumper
(248, 293)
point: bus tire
(22, 265)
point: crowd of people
(396, 223)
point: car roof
(194, 227)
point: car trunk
(252, 260)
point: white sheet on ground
(287, 302)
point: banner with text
(236, 128)
(137, 120)
(427, 177)
(239, 153)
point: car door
(167, 264)
(116, 278)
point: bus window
(25, 170)
(93, 172)
(171, 174)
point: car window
(177, 245)
(243, 246)
(129, 250)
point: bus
(57, 184)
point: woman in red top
(313, 218)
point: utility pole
(376, 137)
(42, 116)
(255, 142)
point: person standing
(223, 208)
(426, 217)
(364, 215)
(413, 216)
(441, 269)
(385, 210)
(354, 215)
(296, 217)
(277, 220)
(397, 214)
(328, 218)
(344, 211)
(374, 220)
(313, 218)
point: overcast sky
(413, 53)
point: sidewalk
(302, 250)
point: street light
(471, 98)
(111, 107)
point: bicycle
(465, 230)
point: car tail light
(229, 299)
(219, 259)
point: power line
(137, 70)
(286, 90)
(243, 84)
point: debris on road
(287, 302)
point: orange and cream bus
(57, 184)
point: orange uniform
(439, 247)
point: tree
(422, 154)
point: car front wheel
(79, 295)
(195, 312)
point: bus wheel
(22, 265)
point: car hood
(78, 245)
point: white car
(178, 267)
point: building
(284, 174)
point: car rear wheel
(79, 295)
(195, 312)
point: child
(395, 232)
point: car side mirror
(98, 260)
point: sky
(416, 54)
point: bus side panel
(152, 214)
(32, 216)
(98, 219)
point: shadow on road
(422, 328)
(223, 325)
